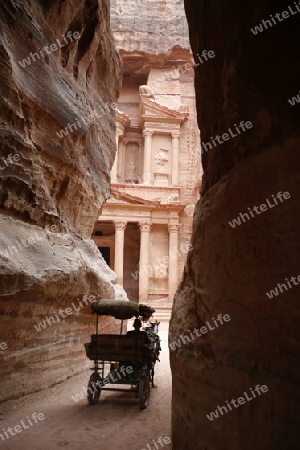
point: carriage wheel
(144, 392)
(93, 389)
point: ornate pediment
(126, 199)
(151, 111)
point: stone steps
(162, 313)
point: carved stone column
(114, 170)
(145, 228)
(119, 250)
(173, 260)
(147, 156)
(175, 158)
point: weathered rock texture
(149, 34)
(230, 269)
(52, 192)
(148, 26)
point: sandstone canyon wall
(230, 268)
(53, 184)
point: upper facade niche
(149, 152)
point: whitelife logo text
(48, 49)
(280, 197)
(236, 403)
(242, 127)
(274, 292)
(25, 424)
(279, 17)
(186, 339)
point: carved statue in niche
(162, 157)
(161, 271)
(131, 166)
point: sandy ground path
(115, 423)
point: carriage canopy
(121, 309)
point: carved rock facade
(156, 173)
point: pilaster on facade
(145, 228)
(175, 157)
(120, 227)
(147, 156)
(173, 229)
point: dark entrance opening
(105, 251)
(131, 261)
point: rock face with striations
(150, 34)
(149, 26)
(231, 268)
(57, 148)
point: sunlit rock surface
(57, 147)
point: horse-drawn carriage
(123, 359)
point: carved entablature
(162, 127)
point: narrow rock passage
(115, 423)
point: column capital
(173, 227)
(120, 130)
(145, 226)
(120, 225)
(147, 132)
(175, 134)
